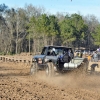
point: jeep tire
(50, 69)
(34, 68)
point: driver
(53, 52)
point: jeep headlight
(46, 60)
(33, 60)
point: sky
(84, 7)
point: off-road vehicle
(58, 59)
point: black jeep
(52, 59)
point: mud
(16, 83)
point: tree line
(30, 28)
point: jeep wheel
(34, 68)
(50, 69)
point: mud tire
(50, 69)
(34, 69)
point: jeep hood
(38, 56)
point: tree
(96, 36)
(32, 26)
(91, 22)
(66, 31)
(3, 8)
(53, 29)
(4, 36)
(43, 27)
(16, 21)
(33, 11)
(79, 28)
(21, 22)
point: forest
(30, 28)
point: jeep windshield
(57, 50)
(44, 51)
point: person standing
(89, 57)
(95, 56)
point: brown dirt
(17, 84)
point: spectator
(89, 57)
(95, 56)
(70, 54)
(77, 55)
(81, 54)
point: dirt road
(17, 84)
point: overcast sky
(85, 7)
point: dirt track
(17, 84)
